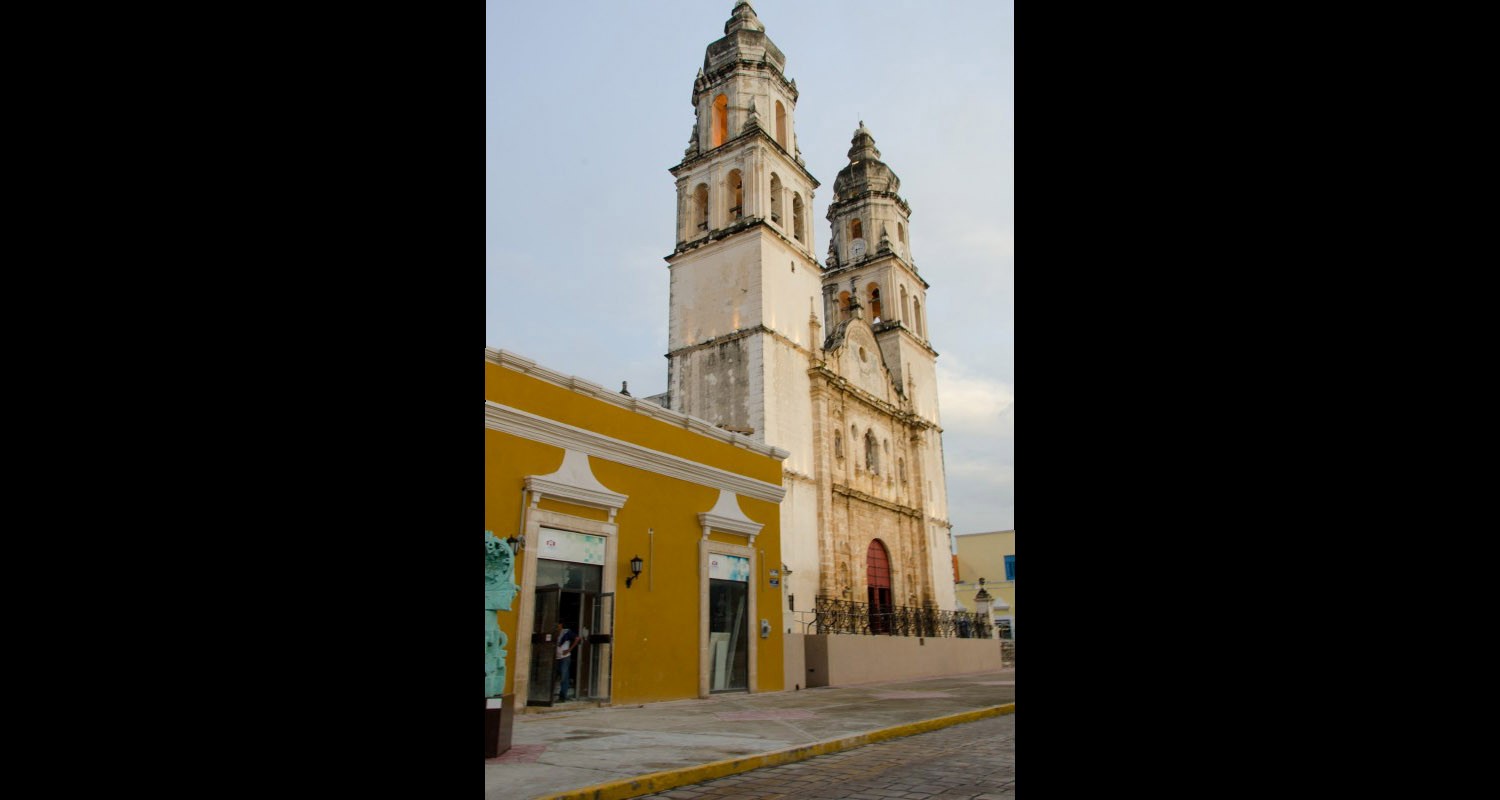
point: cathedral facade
(828, 361)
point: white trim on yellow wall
(524, 365)
(540, 429)
(726, 516)
(574, 482)
(752, 634)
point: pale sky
(588, 103)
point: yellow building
(589, 480)
(991, 556)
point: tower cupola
(744, 39)
(743, 18)
(865, 172)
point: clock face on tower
(857, 249)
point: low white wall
(845, 659)
(794, 663)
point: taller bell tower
(745, 315)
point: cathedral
(830, 362)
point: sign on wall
(580, 548)
(728, 568)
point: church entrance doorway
(878, 579)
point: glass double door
(569, 593)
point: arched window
(838, 444)
(856, 230)
(700, 206)
(905, 308)
(878, 579)
(736, 195)
(844, 314)
(873, 290)
(721, 120)
(781, 124)
(916, 318)
(775, 198)
(901, 235)
(872, 453)
(797, 215)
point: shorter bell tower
(870, 264)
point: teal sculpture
(499, 591)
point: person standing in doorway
(566, 639)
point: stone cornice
(855, 494)
(548, 431)
(872, 261)
(724, 73)
(741, 334)
(639, 405)
(840, 384)
(687, 164)
(896, 325)
(748, 223)
(840, 206)
(797, 476)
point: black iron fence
(836, 615)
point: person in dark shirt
(566, 640)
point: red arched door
(878, 578)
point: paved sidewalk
(569, 750)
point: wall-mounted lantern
(635, 570)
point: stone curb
(683, 776)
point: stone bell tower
(870, 251)
(744, 278)
(832, 363)
(886, 479)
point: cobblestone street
(973, 761)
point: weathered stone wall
(715, 291)
(800, 512)
(717, 383)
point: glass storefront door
(540, 689)
(568, 592)
(729, 659)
